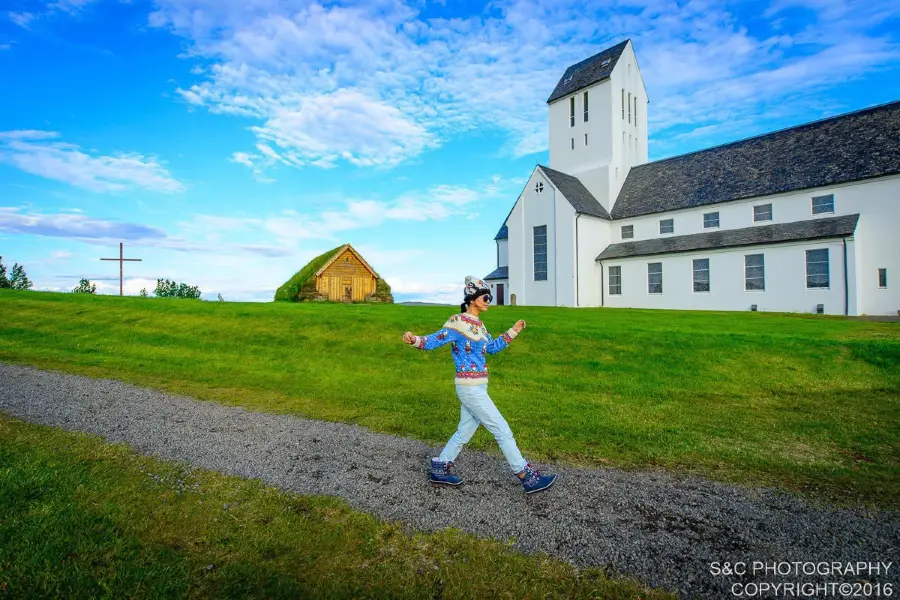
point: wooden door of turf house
(500, 294)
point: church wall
(564, 217)
(533, 209)
(593, 238)
(876, 243)
(785, 280)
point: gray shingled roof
(729, 238)
(587, 72)
(578, 196)
(845, 148)
(499, 273)
(503, 234)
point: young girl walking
(469, 344)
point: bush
(171, 289)
(17, 279)
(85, 287)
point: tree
(85, 287)
(171, 289)
(143, 292)
(17, 279)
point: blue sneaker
(440, 473)
(533, 481)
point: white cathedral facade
(806, 219)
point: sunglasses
(487, 298)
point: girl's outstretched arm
(497, 345)
(437, 339)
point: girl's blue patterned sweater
(470, 343)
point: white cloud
(21, 19)
(39, 153)
(376, 83)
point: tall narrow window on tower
(585, 108)
(629, 107)
(635, 111)
(572, 111)
(540, 253)
(623, 104)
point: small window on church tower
(623, 104)
(629, 107)
(539, 187)
(585, 139)
(585, 107)
(572, 111)
(573, 143)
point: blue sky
(226, 142)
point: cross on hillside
(122, 260)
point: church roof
(503, 234)
(588, 72)
(729, 238)
(578, 196)
(840, 149)
(499, 273)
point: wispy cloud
(376, 83)
(40, 153)
(22, 19)
(108, 232)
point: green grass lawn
(83, 519)
(807, 403)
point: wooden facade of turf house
(340, 275)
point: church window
(572, 111)
(882, 278)
(615, 281)
(585, 139)
(763, 212)
(817, 268)
(539, 187)
(635, 111)
(667, 226)
(585, 107)
(701, 274)
(627, 232)
(573, 143)
(654, 278)
(629, 141)
(623, 104)
(823, 204)
(711, 220)
(605, 62)
(629, 107)
(755, 272)
(540, 253)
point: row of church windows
(627, 100)
(761, 212)
(817, 274)
(572, 110)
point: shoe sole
(445, 482)
(543, 488)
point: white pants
(478, 409)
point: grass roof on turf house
(303, 285)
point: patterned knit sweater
(470, 343)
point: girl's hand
(409, 338)
(519, 326)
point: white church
(806, 219)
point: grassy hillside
(804, 402)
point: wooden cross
(122, 260)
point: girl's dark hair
(464, 306)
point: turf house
(339, 275)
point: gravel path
(660, 529)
